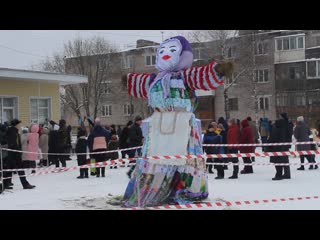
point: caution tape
(220, 204)
(259, 144)
(205, 145)
(64, 154)
(201, 156)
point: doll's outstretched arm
(137, 84)
(208, 77)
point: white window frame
(264, 52)
(105, 87)
(151, 56)
(127, 110)
(126, 62)
(49, 108)
(317, 68)
(106, 110)
(228, 81)
(257, 76)
(15, 108)
(269, 102)
(297, 36)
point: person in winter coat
(33, 146)
(135, 140)
(301, 133)
(255, 133)
(97, 142)
(24, 144)
(246, 137)
(44, 146)
(54, 145)
(288, 139)
(15, 158)
(69, 146)
(113, 145)
(278, 135)
(212, 136)
(62, 144)
(124, 139)
(3, 144)
(313, 147)
(233, 138)
(119, 130)
(264, 130)
(81, 147)
(223, 134)
(113, 130)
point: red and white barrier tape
(221, 204)
(233, 155)
(64, 154)
(259, 144)
(116, 162)
(205, 145)
(103, 164)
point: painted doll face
(168, 55)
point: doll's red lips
(166, 57)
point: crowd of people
(51, 145)
(235, 131)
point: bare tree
(228, 45)
(90, 57)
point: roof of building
(29, 75)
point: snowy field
(59, 191)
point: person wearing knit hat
(301, 133)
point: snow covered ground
(65, 191)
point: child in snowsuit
(113, 145)
(81, 147)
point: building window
(282, 100)
(230, 53)
(290, 43)
(8, 108)
(233, 104)
(262, 75)
(300, 100)
(294, 73)
(126, 62)
(199, 54)
(263, 103)
(261, 48)
(150, 60)
(107, 87)
(313, 69)
(106, 110)
(128, 109)
(228, 81)
(40, 110)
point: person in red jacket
(233, 138)
(246, 137)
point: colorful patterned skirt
(159, 182)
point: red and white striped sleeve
(202, 78)
(138, 84)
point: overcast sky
(21, 49)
